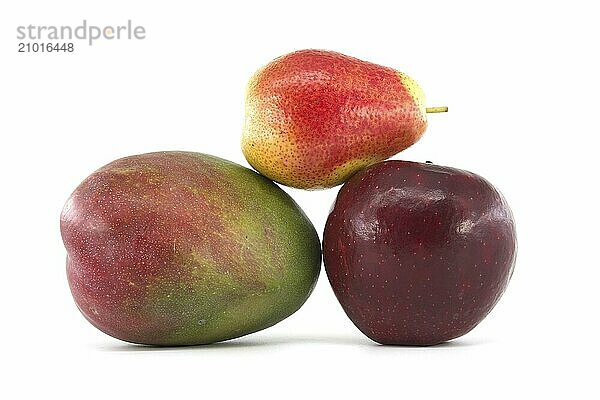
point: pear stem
(430, 110)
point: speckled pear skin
(314, 117)
(177, 248)
(418, 254)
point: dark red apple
(418, 254)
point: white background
(521, 82)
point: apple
(418, 254)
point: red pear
(315, 117)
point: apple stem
(430, 110)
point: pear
(314, 117)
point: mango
(180, 248)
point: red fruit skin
(418, 254)
(315, 117)
(178, 248)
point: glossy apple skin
(418, 254)
(180, 248)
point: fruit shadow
(452, 344)
(241, 343)
(278, 341)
